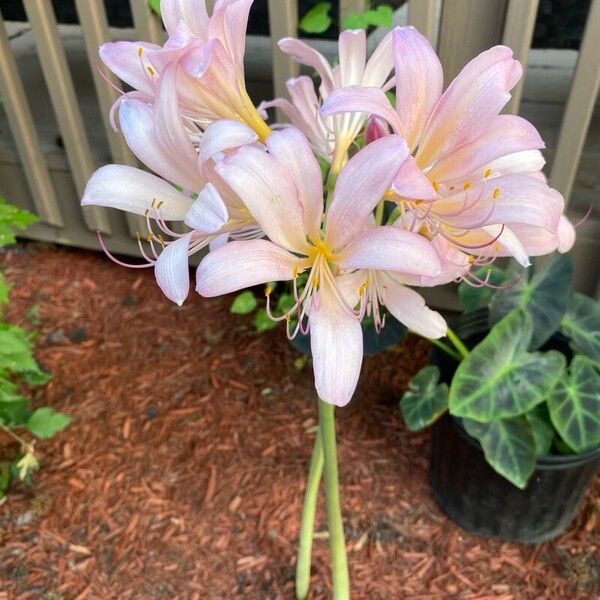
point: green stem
(308, 520)
(464, 351)
(379, 212)
(446, 349)
(337, 544)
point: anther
(268, 291)
(140, 51)
(467, 185)
(496, 193)
(488, 173)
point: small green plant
(520, 396)
(18, 371)
(318, 19)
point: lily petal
(353, 56)
(409, 308)
(242, 264)
(411, 182)
(391, 249)
(337, 348)
(380, 64)
(292, 150)
(208, 214)
(308, 56)
(361, 184)
(222, 135)
(172, 269)
(191, 12)
(135, 191)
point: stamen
(496, 193)
(116, 260)
(488, 173)
(467, 185)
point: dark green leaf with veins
(425, 400)
(472, 297)
(545, 297)
(575, 405)
(542, 429)
(582, 324)
(499, 378)
(508, 446)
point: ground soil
(183, 472)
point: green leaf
(574, 405)
(243, 304)
(382, 16)
(285, 303)
(545, 297)
(12, 218)
(508, 446)
(425, 400)
(542, 429)
(355, 21)
(262, 322)
(317, 19)
(4, 289)
(581, 323)
(46, 422)
(473, 298)
(15, 350)
(499, 378)
(155, 6)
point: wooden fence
(53, 136)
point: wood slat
(64, 101)
(578, 112)
(518, 33)
(148, 26)
(467, 28)
(351, 6)
(421, 14)
(283, 22)
(26, 139)
(92, 17)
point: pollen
(496, 193)
(295, 272)
(161, 239)
(471, 259)
(138, 237)
(160, 204)
(496, 248)
(268, 291)
(149, 237)
(467, 185)
(363, 287)
(436, 186)
(140, 51)
(151, 70)
(488, 173)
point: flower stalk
(458, 344)
(308, 520)
(337, 544)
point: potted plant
(516, 407)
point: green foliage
(472, 298)
(262, 322)
(499, 378)
(45, 422)
(382, 16)
(244, 303)
(574, 405)
(317, 19)
(544, 296)
(155, 6)
(542, 429)
(581, 323)
(19, 369)
(425, 400)
(508, 446)
(11, 219)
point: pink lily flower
(474, 175)
(283, 191)
(210, 52)
(331, 137)
(157, 136)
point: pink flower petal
(337, 348)
(380, 64)
(292, 150)
(352, 46)
(172, 270)
(223, 135)
(391, 249)
(410, 309)
(134, 191)
(242, 264)
(228, 23)
(308, 56)
(191, 12)
(419, 81)
(360, 186)
(566, 235)
(411, 182)
(208, 214)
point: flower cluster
(414, 195)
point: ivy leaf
(499, 378)
(544, 297)
(155, 6)
(472, 298)
(574, 405)
(317, 19)
(508, 446)
(243, 304)
(581, 323)
(46, 422)
(4, 289)
(262, 322)
(425, 400)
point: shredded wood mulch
(183, 472)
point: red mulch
(182, 475)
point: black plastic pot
(483, 502)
